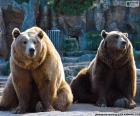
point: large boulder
(3, 44)
(29, 14)
(115, 17)
(13, 18)
(73, 26)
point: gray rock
(70, 59)
(99, 19)
(29, 14)
(69, 79)
(3, 44)
(12, 18)
(72, 69)
(86, 57)
(72, 65)
(77, 53)
(4, 67)
(44, 12)
(82, 58)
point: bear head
(27, 44)
(115, 40)
(115, 44)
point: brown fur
(41, 79)
(110, 79)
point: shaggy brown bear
(110, 79)
(37, 74)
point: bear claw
(50, 109)
(18, 110)
(101, 105)
(124, 103)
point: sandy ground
(84, 110)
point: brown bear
(110, 79)
(37, 74)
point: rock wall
(3, 44)
(114, 15)
(73, 26)
(12, 19)
(107, 14)
(21, 15)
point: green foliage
(21, 1)
(93, 40)
(70, 44)
(136, 45)
(70, 7)
(137, 55)
(67, 7)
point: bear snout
(31, 51)
(123, 44)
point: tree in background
(71, 7)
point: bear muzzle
(31, 52)
(123, 45)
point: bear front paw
(49, 109)
(101, 104)
(132, 104)
(19, 110)
(125, 103)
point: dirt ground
(85, 110)
(80, 109)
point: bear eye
(25, 42)
(116, 36)
(35, 42)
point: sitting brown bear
(110, 79)
(37, 74)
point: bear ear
(126, 34)
(104, 34)
(40, 34)
(15, 33)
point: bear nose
(123, 43)
(31, 50)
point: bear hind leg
(81, 88)
(64, 99)
(9, 98)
